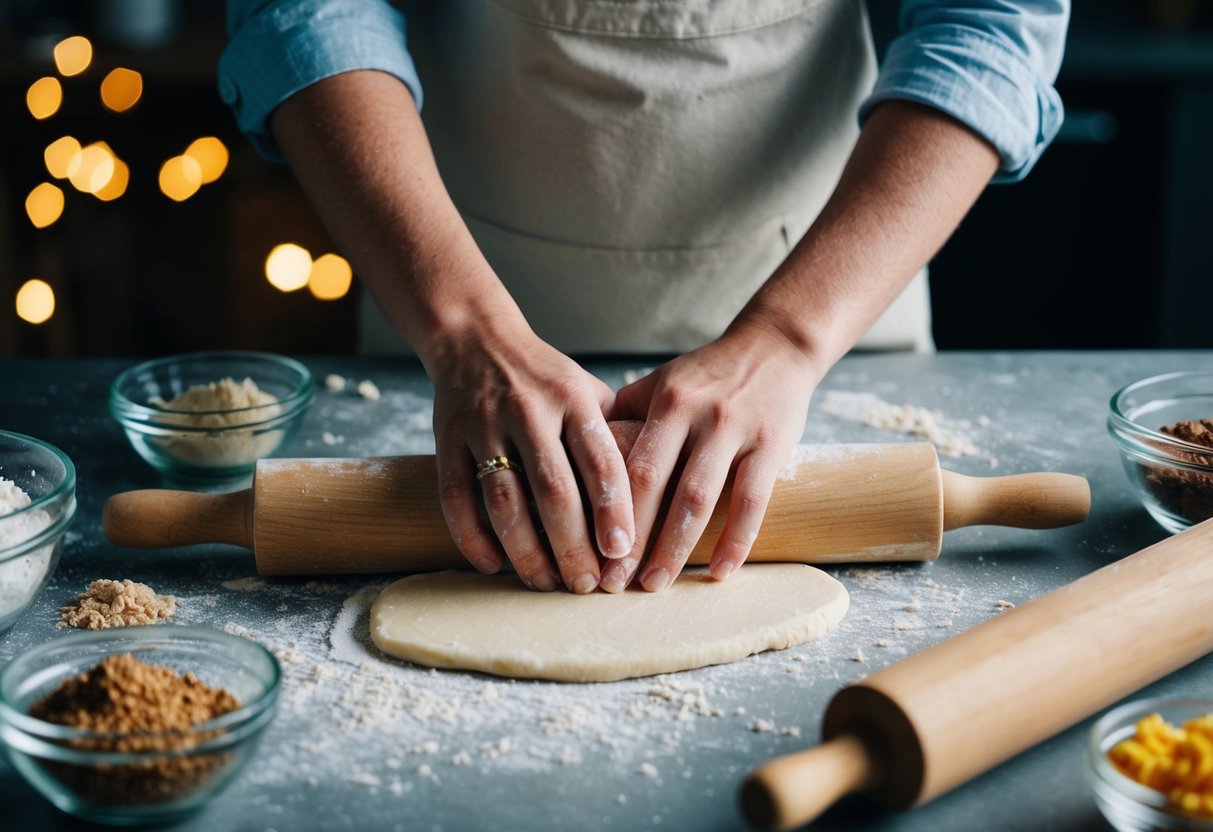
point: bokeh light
(180, 178)
(330, 278)
(121, 89)
(116, 187)
(95, 169)
(44, 97)
(35, 301)
(62, 157)
(73, 55)
(44, 205)
(211, 156)
(288, 267)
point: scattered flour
(950, 436)
(249, 584)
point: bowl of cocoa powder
(1163, 426)
(136, 725)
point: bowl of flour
(37, 504)
(211, 415)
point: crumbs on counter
(105, 603)
(369, 390)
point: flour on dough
(492, 623)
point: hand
(508, 393)
(735, 406)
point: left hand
(736, 406)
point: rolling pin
(831, 504)
(920, 727)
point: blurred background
(135, 220)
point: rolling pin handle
(790, 791)
(153, 519)
(1025, 501)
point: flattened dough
(492, 623)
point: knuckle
(697, 497)
(750, 503)
(550, 486)
(644, 476)
(524, 404)
(499, 497)
(573, 556)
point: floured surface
(492, 623)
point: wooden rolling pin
(923, 726)
(832, 504)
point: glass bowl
(1173, 478)
(1128, 805)
(72, 767)
(32, 537)
(218, 444)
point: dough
(492, 623)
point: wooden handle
(153, 518)
(1026, 501)
(954, 711)
(778, 795)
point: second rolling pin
(832, 504)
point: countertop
(366, 744)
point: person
(728, 181)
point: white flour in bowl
(20, 577)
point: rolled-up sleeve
(278, 47)
(990, 64)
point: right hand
(502, 391)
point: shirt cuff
(283, 49)
(978, 80)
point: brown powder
(134, 707)
(1188, 494)
(117, 604)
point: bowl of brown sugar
(138, 724)
(1163, 426)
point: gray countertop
(361, 743)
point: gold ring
(495, 464)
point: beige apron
(635, 169)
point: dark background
(1106, 245)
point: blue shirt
(990, 64)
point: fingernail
(545, 582)
(615, 575)
(584, 584)
(618, 543)
(655, 580)
(722, 571)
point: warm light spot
(211, 156)
(180, 178)
(44, 205)
(62, 157)
(330, 278)
(95, 170)
(35, 301)
(121, 89)
(44, 97)
(288, 267)
(116, 187)
(73, 55)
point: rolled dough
(492, 623)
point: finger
(752, 487)
(691, 507)
(650, 466)
(605, 478)
(618, 574)
(505, 502)
(554, 488)
(457, 490)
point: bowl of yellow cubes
(1150, 765)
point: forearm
(357, 145)
(913, 175)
